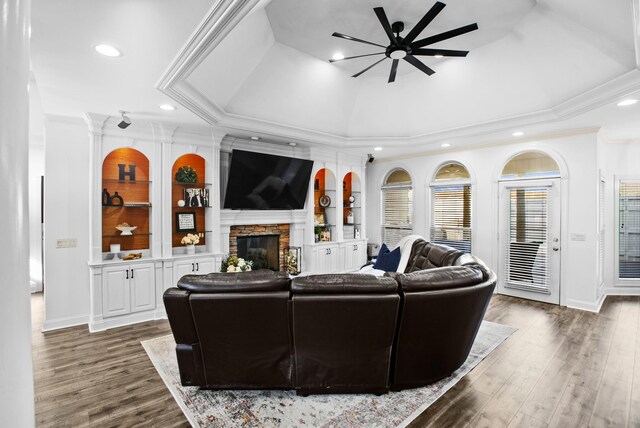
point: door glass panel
(629, 230)
(527, 258)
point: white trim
(125, 320)
(57, 324)
(620, 283)
(587, 306)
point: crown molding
(226, 14)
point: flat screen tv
(259, 181)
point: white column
(16, 368)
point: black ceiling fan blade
(444, 36)
(344, 36)
(357, 56)
(426, 20)
(394, 69)
(418, 64)
(370, 67)
(435, 52)
(382, 17)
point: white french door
(529, 240)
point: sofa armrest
(443, 278)
(343, 283)
(176, 303)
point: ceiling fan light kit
(407, 47)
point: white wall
(36, 170)
(66, 217)
(578, 152)
(618, 158)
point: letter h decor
(122, 174)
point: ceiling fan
(405, 47)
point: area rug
(286, 409)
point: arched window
(530, 165)
(451, 207)
(397, 211)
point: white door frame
(555, 235)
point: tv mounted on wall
(258, 181)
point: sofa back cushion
(442, 278)
(242, 282)
(343, 283)
(425, 255)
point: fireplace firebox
(262, 250)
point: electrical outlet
(66, 243)
(578, 237)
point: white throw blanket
(405, 245)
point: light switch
(66, 243)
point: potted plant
(186, 174)
(317, 230)
(235, 264)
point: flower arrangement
(235, 264)
(186, 174)
(190, 239)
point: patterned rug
(286, 409)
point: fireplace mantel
(296, 219)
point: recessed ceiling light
(168, 107)
(255, 138)
(338, 56)
(292, 144)
(438, 56)
(107, 50)
(445, 145)
(518, 134)
(628, 102)
(377, 149)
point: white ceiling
(542, 64)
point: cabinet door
(359, 255)
(333, 259)
(115, 291)
(182, 268)
(204, 266)
(320, 260)
(142, 283)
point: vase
(191, 249)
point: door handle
(556, 248)
(329, 249)
(131, 273)
(197, 267)
(127, 274)
(193, 267)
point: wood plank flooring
(561, 368)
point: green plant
(186, 174)
(235, 264)
(317, 230)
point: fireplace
(262, 250)
(276, 240)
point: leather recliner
(232, 331)
(343, 328)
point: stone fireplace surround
(290, 225)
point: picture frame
(195, 197)
(319, 218)
(185, 222)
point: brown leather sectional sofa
(336, 333)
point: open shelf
(197, 184)
(179, 192)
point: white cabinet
(353, 255)
(127, 289)
(323, 258)
(192, 266)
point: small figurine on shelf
(350, 217)
(190, 242)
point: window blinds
(629, 229)
(451, 216)
(527, 260)
(397, 202)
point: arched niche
(324, 190)
(530, 164)
(351, 205)
(126, 199)
(182, 199)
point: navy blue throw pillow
(387, 261)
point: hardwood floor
(561, 368)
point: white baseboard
(622, 291)
(587, 306)
(57, 324)
(121, 321)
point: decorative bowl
(126, 230)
